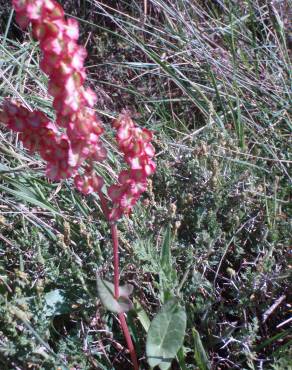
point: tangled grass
(213, 80)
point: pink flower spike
(34, 9)
(90, 97)
(134, 142)
(124, 177)
(82, 184)
(72, 29)
(115, 192)
(124, 133)
(88, 183)
(52, 10)
(79, 142)
(127, 201)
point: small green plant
(167, 330)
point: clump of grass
(213, 80)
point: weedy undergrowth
(213, 80)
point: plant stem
(115, 240)
(128, 338)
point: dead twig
(270, 310)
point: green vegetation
(213, 80)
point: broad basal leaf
(166, 334)
(105, 291)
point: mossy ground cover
(213, 80)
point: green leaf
(167, 273)
(142, 316)
(181, 358)
(200, 353)
(27, 195)
(165, 256)
(105, 291)
(166, 334)
(56, 303)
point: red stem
(115, 239)
(128, 338)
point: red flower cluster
(78, 142)
(89, 182)
(138, 151)
(63, 61)
(38, 134)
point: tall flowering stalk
(71, 145)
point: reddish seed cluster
(138, 151)
(38, 134)
(78, 142)
(89, 182)
(63, 61)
